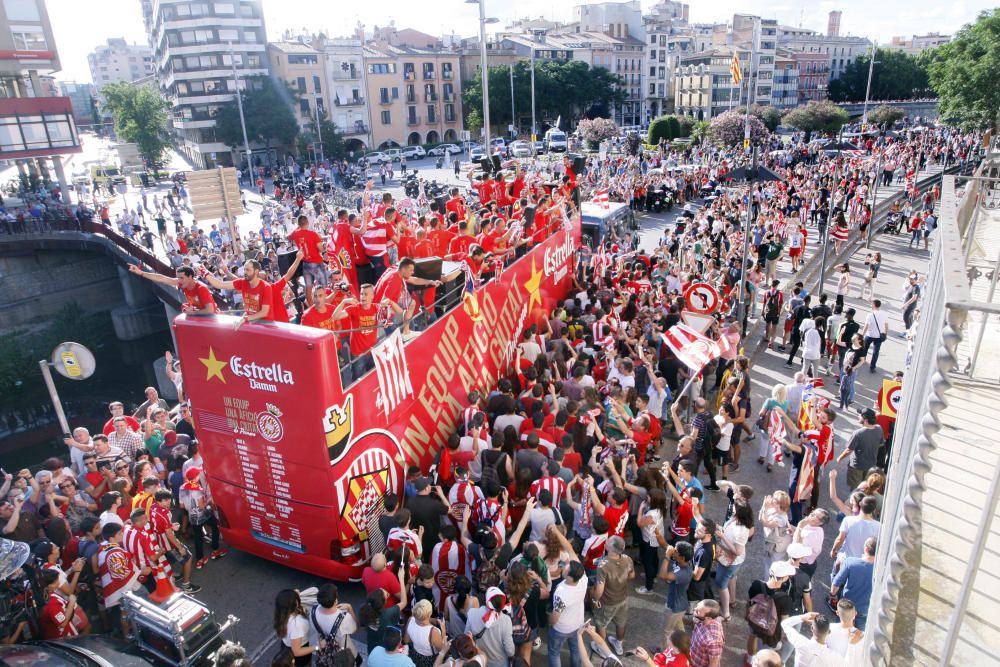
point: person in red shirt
(320, 314)
(377, 576)
(118, 410)
(310, 245)
(198, 299)
(456, 204)
(393, 287)
(616, 514)
(344, 246)
(57, 617)
(485, 188)
(461, 244)
(257, 293)
(278, 290)
(362, 319)
(439, 238)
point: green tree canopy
(896, 76)
(816, 117)
(268, 113)
(964, 71)
(140, 115)
(664, 127)
(768, 115)
(886, 115)
(571, 89)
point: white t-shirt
(326, 621)
(568, 601)
(466, 444)
(876, 324)
(738, 535)
(298, 628)
(649, 531)
(856, 531)
(530, 350)
(111, 517)
(727, 433)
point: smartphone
(103, 464)
(631, 651)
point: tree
(664, 127)
(474, 122)
(140, 115)
(596, 130)
(816, 117)
(333, 146)
(699, 131)
(886, 115)
(727, 129)
(963, 72)
(267, 111)
(687, 124)
(768, 115)
(896, 76)
(572, 90)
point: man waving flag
(692, 348)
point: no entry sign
(701, 298)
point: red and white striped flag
(692, 349)
(393, 372)
(601, 261)
(601, 196)
(729, 342)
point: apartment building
(348, 95)
(195, 46)
(840, 50)
(668, 37)
(35, 122)
(303, 69)
(414, 95)
(704, 86)
(785, 82)
(917, 43)
(814, 75)
(117, 61)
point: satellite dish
(73, 361)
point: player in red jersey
(257, 293)
(198, 298)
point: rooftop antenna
(802, 13)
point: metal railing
(920, 611)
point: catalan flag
(736, 69)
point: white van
(555, 141)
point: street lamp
(484, 69)
(239, 105)
(868, 88)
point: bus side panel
(403, 413)
(258, 398)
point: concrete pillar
(135, 323)
(61, 177)
(171, 314)
(137, 295)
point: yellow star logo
(532, 285)
(213, 366)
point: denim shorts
(723, 573)
(315, 274)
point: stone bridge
(913, 108)
(86, 265)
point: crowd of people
(581, 484)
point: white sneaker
(614, 643)
(642, 590)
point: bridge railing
(128, 246)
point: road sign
(746, 142)
(214, 193)
(701, 298)
(73, 361)
(892, 396)
(697, 321)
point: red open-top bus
(296, 462)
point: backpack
(772, 307)
(490, 471)
(762, 617)
(488, 574)
(327, 656)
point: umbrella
(763, 174)
(840, 146)
(12, 556)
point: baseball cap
(798, 550)
(421, 484)
(782, 568)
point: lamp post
(513, 118)
(239, 105)
(484, 69)
(533, 129)
(868, 88)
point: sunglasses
(121, 468)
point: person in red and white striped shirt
(137, 541)
(403, 536)
(550, 481)
(376, 239)
(162, 531)
(463, 494)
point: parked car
(81, 651)
(414, 152)
(395, 154)
(521, 149)
(444, 149)
(477, 153)
(377, 157)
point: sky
(79, 28)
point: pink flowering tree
(596, 130)
(727, 129)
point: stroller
(893, 223)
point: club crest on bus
(269, 424)
(338, 423)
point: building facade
(414, 95)
(119, 62)
(35, 122)
(916, 44)
(814, 75)
(840, 51)
(349, 102)
(668, 37)
(81, 97)
(785, 83)
(195, 45)
(303, 70)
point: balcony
(430, 98)
(411, 99)
(28, 135)
(449, 97)
(446, 75)
(428, 75)
(413, 120)
(384, 100)
(346, 75)
(352, 101)
(359, 127)
(409, 76)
